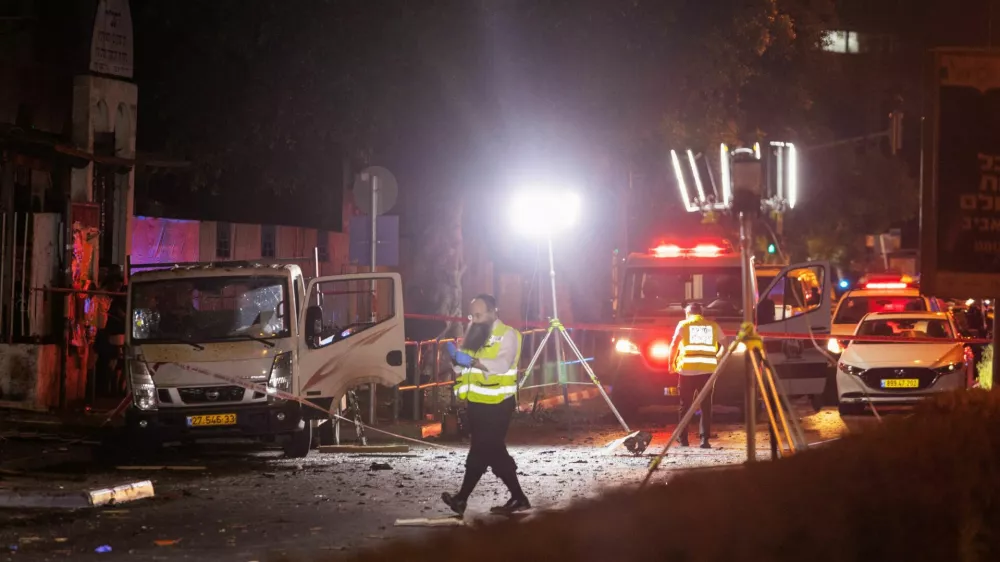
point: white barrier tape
(287, 396)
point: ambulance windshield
(657, 291)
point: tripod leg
(770, 405)
(795, 437)
(534, 358)
(686, 419)
(593, 378)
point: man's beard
(475, 338)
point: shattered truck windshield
(205, 309)
(665, 291)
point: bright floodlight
(543, 213)
(727, 187)
(691, 207)
(697, 177)
(793, 176)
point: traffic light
(772, 248)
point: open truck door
(798, 302)
(350, 334)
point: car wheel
(328, 432)
(299, 443)
(851, 409)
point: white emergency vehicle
(235, 349)
(903, 372)
(654, 289)
(881, 293)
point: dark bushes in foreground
(915, 489)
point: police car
(902, 372)
(897, 293)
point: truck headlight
(141, 382)
(834, 347)
(625, 346)
(281, 374)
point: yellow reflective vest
(698, 343)
(490, 388)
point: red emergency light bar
(887, 285)
(889, 282)
(698, 251)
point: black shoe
(513, 505)
(705, 444)
(456, 503)
(683, 441)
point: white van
(242, 349)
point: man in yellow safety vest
(694, 354)
(487, 378)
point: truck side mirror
(280, 310)
(314, 325)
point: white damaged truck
(241, 349)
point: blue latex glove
(463, 359)
(460, 358)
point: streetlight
(541, 213)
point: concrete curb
(78, 500)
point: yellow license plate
(900, 383)
(670, 391)
(211, 419)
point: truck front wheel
(299, 443)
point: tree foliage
(853, 192)
(464, 99)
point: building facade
(68, 118)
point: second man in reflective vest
(487, 378)
(694, 354)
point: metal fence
(429, 376)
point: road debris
(380, 466)
(121, 494)
(364, 448)
(178, 468)
(76, 500)
(451, 521)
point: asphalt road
(248, 503)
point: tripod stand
(785, 430)
(636, 442)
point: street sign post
(375, 193)
(960, 203)
(960, 215)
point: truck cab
(253, 350)
(655, 287)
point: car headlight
(626, 346)
(833, 346)
(949, 368)
(849, 369)
(141, 382)
(281, 374)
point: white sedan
(902, 372)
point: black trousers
(688, 385)
(488, 424)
